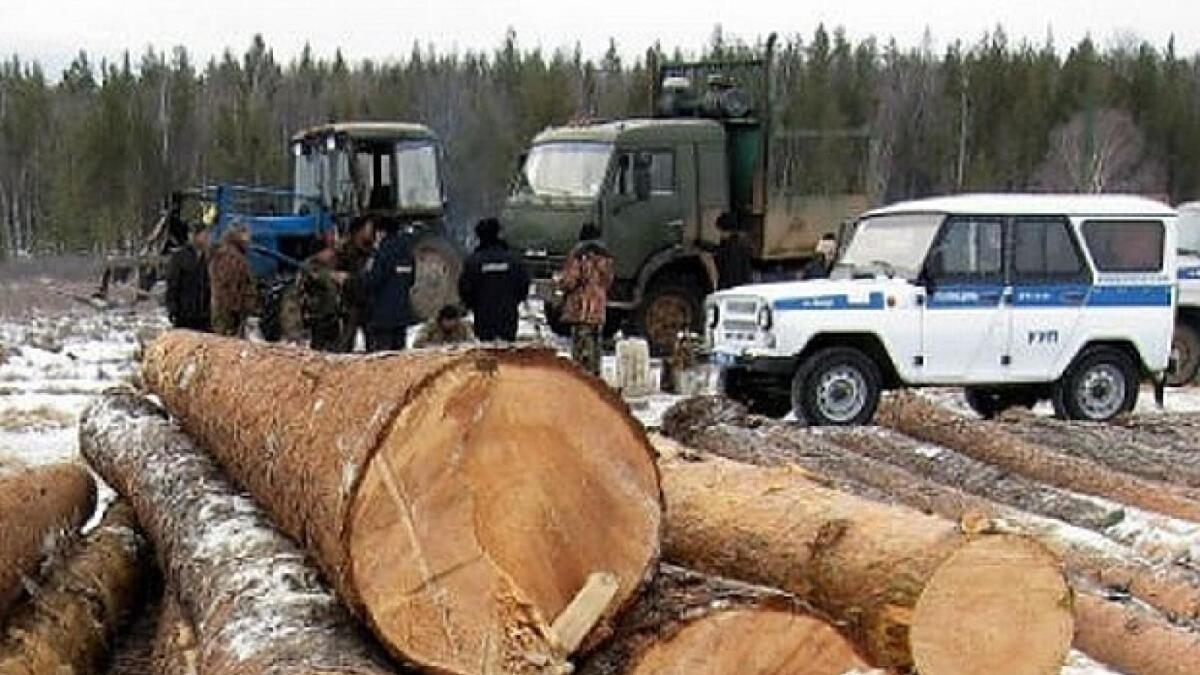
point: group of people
(364, 284)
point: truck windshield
(417, 176)
(567, 169)
(893, 244)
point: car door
(962, 330)
(1050, 282)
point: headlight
(714, 316)
(765, 319)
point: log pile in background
(985, 441)
(72, 618)
(694, 624)
(913, 589)
(38, 505)
(459, 501)
(257, 604)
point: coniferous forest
(88, 155)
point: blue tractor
(340, 171)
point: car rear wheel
(1101, 384)
(1185, 355)
(837, 386)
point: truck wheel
(667, 309)
(435, 283)
(837, 386)
(1185, 353)
(1101, 384)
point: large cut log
(69, 623)
(695, 624)
(1171, 589)
(175, 647)
(37, 506)
(258, 605)
(985, 441)
(458, 500)
(912, 589)
(1132, 639)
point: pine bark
(897, 578)
(687, 623)
(458, 500)
(258, 605)
(176, 650)
(1132, 639)
(41, 510)
(69, 623)
(986, 441)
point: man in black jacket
(388, 281)
(188, 294)
(493, 284)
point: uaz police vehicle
(1017, 298)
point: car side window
(1044, 250)
(1125, 245)
(969, 249)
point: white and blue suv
(1016, 298)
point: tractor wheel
(438, 265)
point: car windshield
(567, 169)
(417, 176)
(893, 244)
(1188, 229)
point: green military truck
(655, 187)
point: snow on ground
(1176, 400)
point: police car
(1016, 298)
(1185, 350)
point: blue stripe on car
(985, 297)
(838, 301)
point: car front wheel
(837, 386)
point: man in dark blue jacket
(388, 280)
(493, 284)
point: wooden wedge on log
(914, 590)
(696, 624)
(69, 622)
(38, 504)
(257, 604)
(459, 500)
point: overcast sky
(54, 30)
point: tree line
(87, 156)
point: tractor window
(417, 176)
(1126, 245)
(374, 166)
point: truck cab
(1015, 298)
(656, 185)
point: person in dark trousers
(586, 276)
(821, 263)
(732, 256)
(188, 300)
(352, 257)
(493, 284)
(388, 281)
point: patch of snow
(1079, 663)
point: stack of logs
(487, 511)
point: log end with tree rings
(504, 486)
(971, 619)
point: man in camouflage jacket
(233, 286)
(584, 282)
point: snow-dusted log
(912, 589)
(688, 623)
(39, 505)
(1171, 589)
(1132, 639)
(458, 500)
(68, 624)
(259, 607)
(988, 442)
(176, 651)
